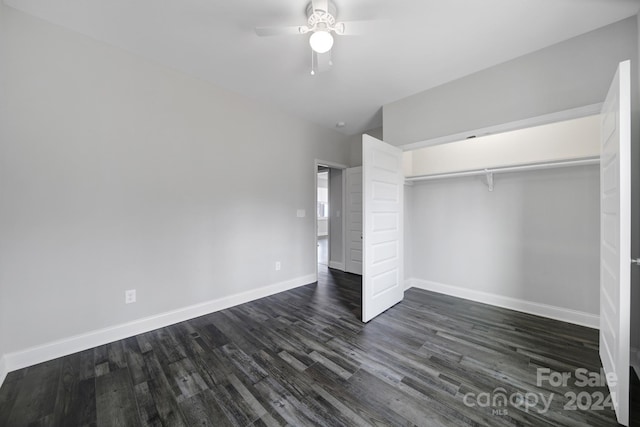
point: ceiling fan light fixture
(321, 41)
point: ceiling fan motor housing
(322, 19)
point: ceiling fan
(322, 24)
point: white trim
(314, 212)
(31, 356)
(343, 168)
(3, 370)
(506, 169)
(332, 165)
(336, 265)
(553, 312)
(409, 283)
(574, 113)
(344, 222)
(635, 359)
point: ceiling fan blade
(320, 5)
(356, 28)
(281, 31)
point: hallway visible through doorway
(322, 210)
(323, 250)
(330, 222)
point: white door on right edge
(615, 239)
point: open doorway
(329, 197)
(322, 211)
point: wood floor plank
(87, 364)
(147, 410)
(8, 394)
(187, 379)
(115, 400)
(232, 403)
(302, 390)
(256, 410)
(365, 408)
(203, 410)
(303, 357)
(162, 393)
(166, 347)
(135, 361)
(244, 363)
(116, 356)
(36, 394)
(211, 336)
(75, 400)
(286, 404)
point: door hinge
(635, 261)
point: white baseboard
(336, 265)
(558, 313)
(34, 355)
(3, 370)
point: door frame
(330, 165)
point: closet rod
(525, 167)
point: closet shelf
(490, 171)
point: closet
(510, 219)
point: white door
(353, 263)
(383, 193)
(615, 239)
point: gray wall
(535, 237)
(408, 231)
(336, 214)
(355, 146)
(117, 173)
(567, 75)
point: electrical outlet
(130, 296)
(278, 266)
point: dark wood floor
(303, 357)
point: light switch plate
(301, 213)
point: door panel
(383, 204)
(615, 239)
(353, 210)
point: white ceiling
(418, 44)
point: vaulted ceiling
(409, 46)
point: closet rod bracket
(489, 176)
